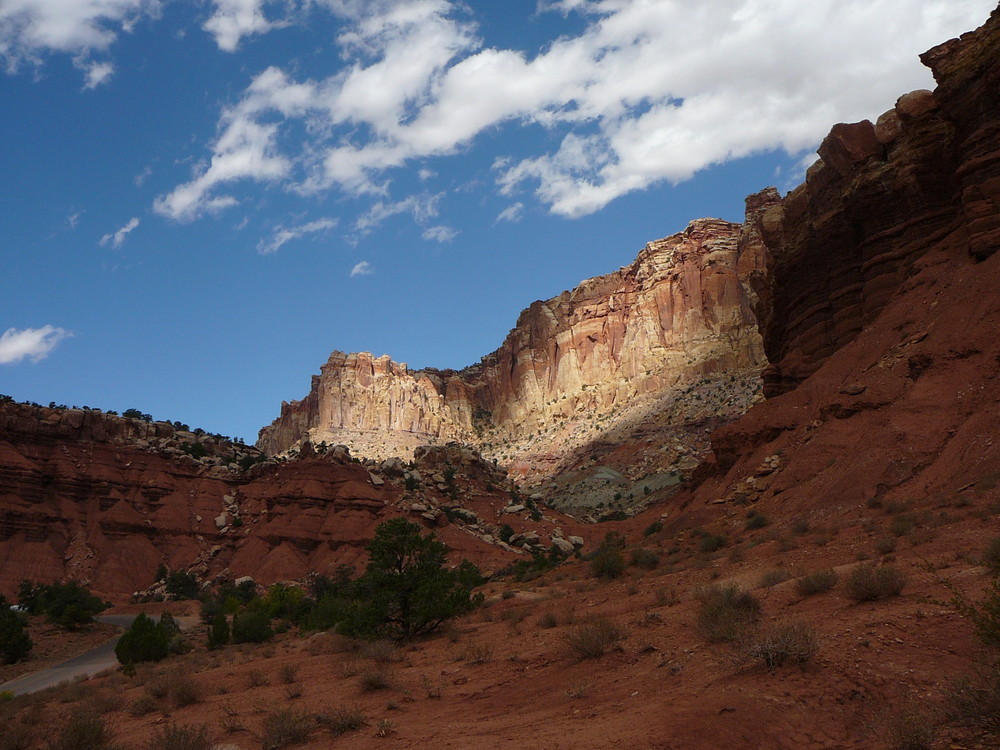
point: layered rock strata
(836, 249)
(571, 368)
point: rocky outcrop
(571, 368)
(880, 311)
(107, 500)
(836, 249)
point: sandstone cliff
(602, 356)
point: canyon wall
(677, 314)
(838, 247)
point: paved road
(86, 664)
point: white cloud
(141, 178)
(97, 73)
(117, 238)
(648, 92)
(421, 207)
(440, 234)
(234, 19)
(513, 212)
(74, 218)
(364, 268)
(30, 343)
(30, 29)
(286, 234)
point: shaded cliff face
(881, 314)
(575, 366)
(838, 247)
(106, 500)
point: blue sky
(202, 199)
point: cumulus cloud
(286, 234)
(117, 238)
(30, 29)
(96, 73)
(29, 343)
(647, 92)
(235, 19)
(364, 268)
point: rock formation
(574, 366)
(106, 500)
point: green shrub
(589, 640)
(181, 585)
(726, 613)
(218, 632)
(67, 604)
(653, 528)
(816, 582)
(867, 583)
(406, 589)
(506, 532)
(251, 627)
(143, 641)
(15, 643)
(975, 700)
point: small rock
(576, 541)
(376, 480)
(513, 509)
(221, 520)
(563, 545)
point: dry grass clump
(907, 726)
(817, 582)
(378, 678)
(867, 583)
(174, 737)
(991, 555)
(16, 737)
(975, 700)
(84, 731)
(478, 653)
(288, 673)
(343, 720)
(774, 577)
(256, 678)
(590, 640)
(142, 705)
(383, 652)
(184, 689)
(285, 727)
(548, 620)
(644, 558)
(727, 613)
(778, 644)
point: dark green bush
(145, 640)
(181, 585)
(406, 589)
(653, 528)
(67, 604)
(218, 632)
(251, 627)
(756, 520)
(15, 643)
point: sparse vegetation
(774, 577)
(644, 558)
(84, 730)
(145, 640)
(817, 582)
(592, 639)
(180, 737)
(343, 720)
(15, 643)
(756, 520)
(607, 560)
(285, 727)
(775, 645)
(867, 583)
(727, 613)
